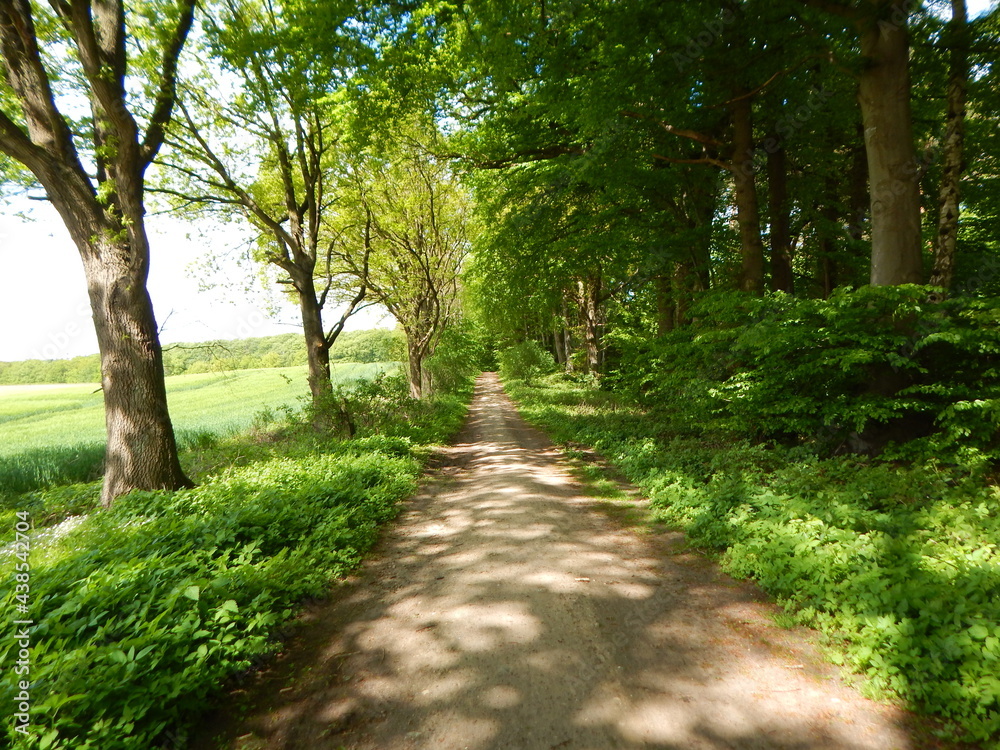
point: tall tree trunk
(780, 234)
(828, 231)
(559, 343)
(567, 336)
(664, 304)
(685, 283)
(954, 142)
(858, 199)
(141, 449)
(416, 354)
(590, 314)
(747, 209)
(884, 95)
(317, 348)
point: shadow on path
(502, 612)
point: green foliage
(143, 610)
(376, 345)
(459, 357)
(863, 371)
(525, 361)
(383, 406)
(146, 609)
(899, 565)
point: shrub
(859, 372)
(525, 361)
(143, 610)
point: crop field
(55, 433)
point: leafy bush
(460, 356)
(859, 372)
(898, 564)
(525, 361)
(145, 609)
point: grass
(54, 434)
(144, 611)
(59, 416)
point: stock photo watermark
(20, 623)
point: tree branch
(167, 94)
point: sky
(45, 314)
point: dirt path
(504, 612)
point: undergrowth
(898, 564)
(142, 612)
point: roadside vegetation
(871, 515)
(143, 611)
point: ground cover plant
(895, 560)
(143, 610)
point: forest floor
(506, 609)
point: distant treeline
(286, 350)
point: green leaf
(193, 593)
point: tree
(953, 147)
(411, 223)
(92, 169)
(259, 139)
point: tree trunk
(141, 449)
(567, 337)
(884, 95)
(780, 234)
(747, 210)
(416, 353)
(664, 305)
(559, 343)
(828, 232)
(954, 142)
(590, 314)
(859, 200)
(317, 349)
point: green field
(52, 416)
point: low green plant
(525, 361)
(898, 563)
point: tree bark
(590, 314)
(664, 304)
(780, 234)
(747, 208)
(416, 354)
(884, 95)
(104, 214)
(141, 449)
(317, 346)
(954, 143)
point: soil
(505, 610)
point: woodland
(747, 250)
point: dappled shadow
(504, 613)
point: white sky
(45, 314)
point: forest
(746, 251)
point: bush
(143, 610)
(860, 372)
(459, 357)
(525, 361)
